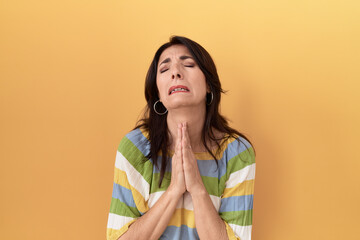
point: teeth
(178, 89)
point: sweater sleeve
(130, 190)
(237, 199)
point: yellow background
(71, 86)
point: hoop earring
(157, 111)
(212, 98)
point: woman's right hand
(177, 184)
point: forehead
(174, 51)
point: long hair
(156, 125)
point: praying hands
(185, 171)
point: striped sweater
(135, 188)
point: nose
(176, 73)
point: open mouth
(178, 88)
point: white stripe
(116, 221)
(154, 197)
(216, 201)
(247, 173)
(134, 177)
(187, 202)
(184, 202)
(243, 232)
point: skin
(183, 106)
(185, 119)
(186, 116)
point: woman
(182, 172)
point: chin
(180, 103)
(176, 105)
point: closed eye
(185, 66)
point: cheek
(161, 88)
(201, 85)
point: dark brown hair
(156, 125)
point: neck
(195, 119)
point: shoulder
(242, 142)
(135, 142)
(239, 148)
(132, 157)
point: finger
(178, 141)
(185, 136)
(186, 147)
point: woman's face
(179, 80)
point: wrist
(173, 193)
(199, 192)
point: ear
(208, 90)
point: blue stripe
(236, 203)
(139, 140)
(142, 143)
(123, 194)
(235, 148)
(210, 169)
(168, 165)
(182, 232)
(206, 167)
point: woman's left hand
(193, 180)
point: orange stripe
(145, 133)
(241, 189)
(182, 217)
(139, 201)
(230, 232)
(121, 179)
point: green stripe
(164, 184)
(237, 163)
(136, 158)
(241, 218)
(240, 161)
(212, 185)
(120, 208)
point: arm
(153, 223)
(237, 199)
(209, 224)
(235, 214)
(129, 194)
(234, 220)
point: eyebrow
(181, 58)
